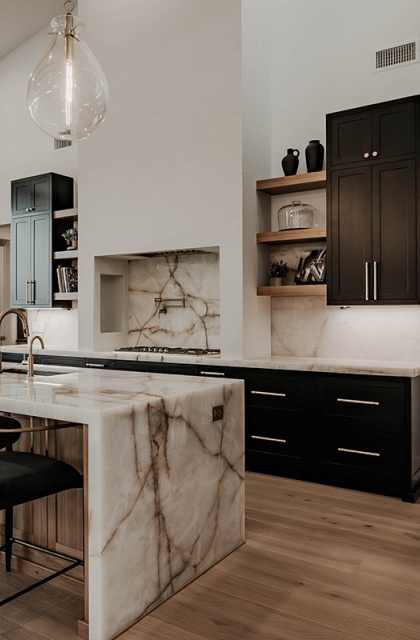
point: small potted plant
(278, 271)
(70, 236)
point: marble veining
(308, 327)
(165, 485)
(194, 277)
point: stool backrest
(7, 439)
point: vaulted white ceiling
(21, 19)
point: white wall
(164, 170)
(256, 158)
(322, 61)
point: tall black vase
(290, 162)
(314, 154)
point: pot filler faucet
(21, 313)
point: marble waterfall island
(165, 485)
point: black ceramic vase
(314, 154)
(290, 162)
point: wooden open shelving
(291, 184)
(67, 296)
(293, 291)
(292, 236)
(66, 255)
(66, 213)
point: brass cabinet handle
(366, 280)
(366, 155)
(269, 393)
(375, 154)
(270, 439)
(358, 401)
(26, 292)
(212, 373)
(32, 287)
(362, 453)
(375, 280)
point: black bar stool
(25, 477)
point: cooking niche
(174, 303)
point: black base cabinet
(356, 431)
(360, 432)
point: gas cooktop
(189, 351)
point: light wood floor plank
(320, 563)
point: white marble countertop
(404, 368)
(78, 394)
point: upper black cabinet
(372, 205)
(372, 133)
(46, 192)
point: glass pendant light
(67, 90)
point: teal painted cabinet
(31, 260)
(34, 200)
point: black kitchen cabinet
(35, 235)
(372, 206)
(375, 132)
(46, 192)
(279, 423)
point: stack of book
(67, 279)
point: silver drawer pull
(269, 393)
(94, 364)
(362, 453)
(358, 401)
(212, 373)
(270, 439)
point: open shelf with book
(65, 260)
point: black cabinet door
(394, 231)
(350, 137)
(349, 235)
(41, 193)
(394, 130)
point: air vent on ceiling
(61, 144)
(397, 55)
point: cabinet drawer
(279, 393)
(381, 405)
(364, 455)
(273, 431)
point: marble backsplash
(307, 327)
(194, 277)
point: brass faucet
(31, 358)
(21, 313)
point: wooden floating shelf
(66, 213)
(66, 296)
(290, 184)
(66, 255)
(293, 291)
(292, 236)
